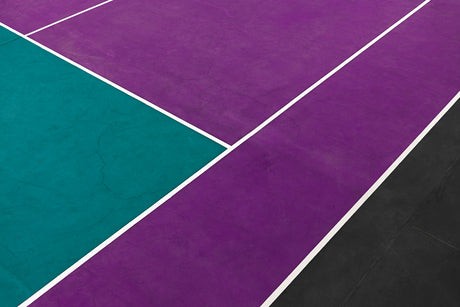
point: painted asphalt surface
(223, 69)
(234, 234)
(29, 15)
(402, 247)
(79, 160)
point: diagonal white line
(231, 148)
(328, 75)
(67, 18)
(120, 88)
(356, 206)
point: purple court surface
(30, 15)
(225, 68)
(233, 234)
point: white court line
(358, 204)
(112, 238)
(118, 87)
(71, 16)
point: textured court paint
(6, 37)
(232, 236)
(225, 68)
(423, 193)
(29, 15)
(78, 160)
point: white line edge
(229, 149)
(357, 205)
(117, 234)
(120, 88)
(327, 76)
(67, 18)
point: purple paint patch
(233, 235)
(28, 15)
(222, 68)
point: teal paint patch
(6, 36)
(78, 160)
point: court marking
(67, 18)
(118, 87)
(229, 149)
(357, 205)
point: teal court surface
(229, 153)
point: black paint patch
(402, 248)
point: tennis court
(204, 153)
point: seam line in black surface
(433, 237)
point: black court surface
(229, 153)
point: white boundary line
(71, 16)
(327, 76)
(118, 87)
(112, 238)
(358, 204)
